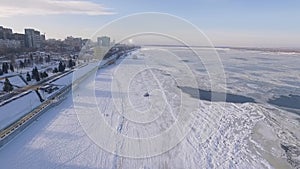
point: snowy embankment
(29, 100)
(16, 81)
(247, 135)
(14, 110)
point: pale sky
(260, 23)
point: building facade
(73, 43)
(20, 37)
(7, 43)
(8, 40)
(103, 41)
(33, 38)
(6, 33)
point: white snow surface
(15, 80)
(14, 110)
(244, 135)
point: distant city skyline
(226, 22)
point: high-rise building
(7, 39)
(32, 38)
(74, 43)
(6, 33)
(20, 37)
(43, 38)
(37, 39)
(103, 41)
(29, 37)
(1, 32)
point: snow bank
(15, 81)
(14, 110)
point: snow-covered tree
(7, 86)
(11, 67)
(55, 70)
(5, 67)
(28, 78)
(61, 67)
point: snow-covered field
(221, 135)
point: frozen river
(147, 95)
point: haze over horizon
(226, 22)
